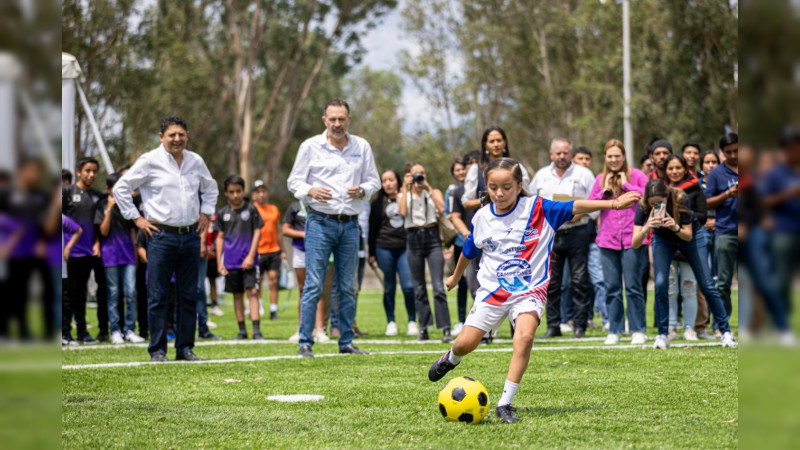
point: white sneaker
(130, 336)
(690, 335)
(321, 337)
(566, 328)
(661, 342)
(612, 339)
(638, 339)
(391, 329)
(457, 329)
(673, 334)
(211, 325)
(116, 338)
(216, 311)
(787, 339)
(295, 338)
(728, 340)
(413, 330)
(607, 326)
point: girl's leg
(525, 327)
(467, 341)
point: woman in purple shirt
(614, 237)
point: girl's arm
(624, 201)
(461, 266)
(683, 231)
(640, 231)
(288, 231)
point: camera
(419, 178)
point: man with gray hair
(562, 181)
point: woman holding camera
(618, 259)
(666, 212)
(419, 204)
(681, 277)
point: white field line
(199, 343)
(405, 352)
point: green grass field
(575, 394)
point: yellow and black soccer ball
(463, 399)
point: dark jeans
(727, 250)
(202, 309)
(695, 253)
(754, 257)
(78, 271)
(424, 244)
(393, 263)
(461, 294)
(169, 253)
(572, 245)
(141, 301)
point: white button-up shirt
(320, 164)
(576, 182)
(171, 195)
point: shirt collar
(323, 141)
(169, 155)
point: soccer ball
(463, 399)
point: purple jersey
(239, 225)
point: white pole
(626, 81)
(95, 130)
(38, 130)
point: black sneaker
(579, 333)
(305, 351)
(423, 335)
(158, 357)
(87, 340)
(487, 338)
(506, 414)
(103, 337)
(441, 367)
(447, 337)
(209, 335)
(273, 315)
(551, 332)
(257, 336)
(353, 350)
(241, 335)
(188, 355)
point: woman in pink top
(614, 237)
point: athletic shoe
(353, 350)
(673, 334)
(391, 329)
(423, 335)
(447, 337)
(260, 311)
(216, 311)
(728, 340)
(103, 337)
(87, 340)
(606, 326)
(690, 335)
(211, 325)
(188, 355)
(210, 335)
(457, 329)
(661, 342)
(295, 338)
(257, 336)
(68, 341)
(305, 351)
(787, 339)
(413, 329)
(116, 338)
(565, 328)
(320, 336)
(580, 333)
(612, 339)
(638, 339)
(273, 315)
(132, 337)
(506, 413)
(242, 335)
(704, 335)
(551, 332)
(440, 368)
(158, 357)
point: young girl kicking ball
(515, 233)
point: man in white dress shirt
(563, 180)
(335, 175)
(178, 198)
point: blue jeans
(695, 253)
(169, 253)
(598, 280)
(123, 276)
(683, 281)
(619, 264)
(326, 237)
(754, 256)
(393, 263)
(202, 310)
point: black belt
(336, 217)
(176, 230)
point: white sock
(273, 308)
(453, 358)
(509, 391)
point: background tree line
(251, 76)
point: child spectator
(117, 237)
(70, 234)
(239, 226)
(270, 246)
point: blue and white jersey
(516, 248)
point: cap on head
(259, 184)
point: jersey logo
(245, 215)
(226, 217)
(76, 198)
(531, 233)
(509, 230)
(489, 244)
(513, 249)
(514, 275)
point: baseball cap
(258, 183)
